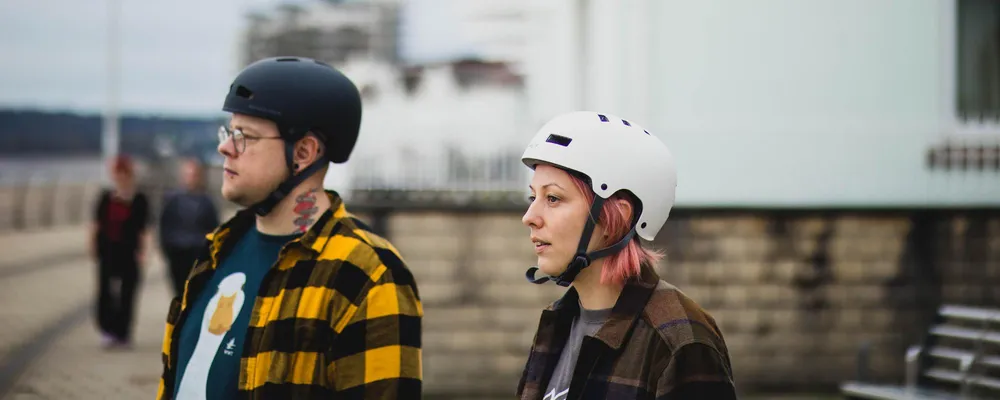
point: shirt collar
(627, 309)
(224, 237)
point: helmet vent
(560, 140)
(602, 117)
(243, 92)
(626, 123)
(647, 132)
(287, 59)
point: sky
(177, 57)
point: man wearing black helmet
(293, 297)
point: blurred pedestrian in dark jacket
(188, 215)
(118, 243)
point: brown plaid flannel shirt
(657, 344)
(338, 316)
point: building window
(978, 63)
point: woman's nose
(531, 217)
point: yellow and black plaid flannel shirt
(338, 316)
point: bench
(959, 359)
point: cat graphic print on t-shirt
(221, 312)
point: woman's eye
(553, 199)
(531, 199)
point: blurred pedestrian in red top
(118, 241)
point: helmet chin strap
(265, 206)
(582, 259)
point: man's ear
(307, 151)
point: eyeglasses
(239, 138)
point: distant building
(330, 31)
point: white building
(418, 138)
(784, 102)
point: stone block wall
(480, 311)
(796, 293)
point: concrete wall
(54, 202)
(44, 206)
(796, 293)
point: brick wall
(795, 292)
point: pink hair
(122, 163)
(616, 221)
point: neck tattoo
(305, 207)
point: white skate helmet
(615, 154)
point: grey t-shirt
(586, 324)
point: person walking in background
(600, 183)
(118, 243)
(188, 215)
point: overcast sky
(177, 56)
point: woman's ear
(627, 206)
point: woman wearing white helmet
(619, 332)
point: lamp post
(583, 56)
(110, 125)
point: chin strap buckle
(580, 261)
(530, 275)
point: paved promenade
(49, 345)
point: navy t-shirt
(211, 340)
